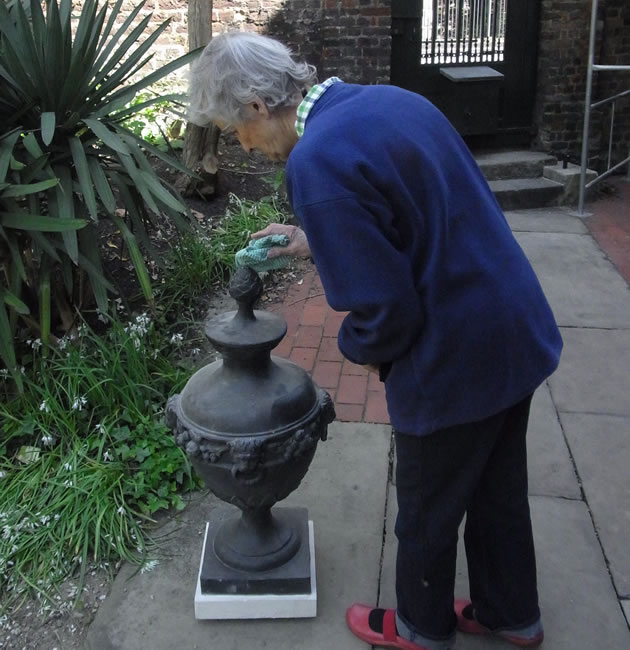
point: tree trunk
(200, 143)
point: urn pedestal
(250, 423)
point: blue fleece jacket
(409, 239)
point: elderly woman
(408, 238)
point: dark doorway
(474, 59)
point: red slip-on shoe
(529, 637)
(358, 620)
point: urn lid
(247, 392)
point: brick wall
(173, 42)
(349, 38)
(562, 61)
(357, 40)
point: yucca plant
(67, 162)
(17, 225)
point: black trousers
(478, 470)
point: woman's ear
(259, 107)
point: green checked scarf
(309, 101)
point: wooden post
(200, 143)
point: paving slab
(625, 604)
(593, 376)
(545, 220)
(551, 471)
(345, 492)
(601, 448)
(581, 284)
(579, 605)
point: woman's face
(273, 134)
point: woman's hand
(297, 247)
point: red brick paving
(352, 389)
(304, 357)
(610, 226)
(311, 342)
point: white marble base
(224, 606)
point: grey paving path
(345, 493)
(579, 452)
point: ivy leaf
(142, 453)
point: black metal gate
(474, 59)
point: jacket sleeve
(365, 273)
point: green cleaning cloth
(255, 255)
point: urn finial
(246, 287)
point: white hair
(238, 68)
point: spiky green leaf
(31, 188)
(108, 137)
(136, 258)
(14, 302)
(23, 221)
(49, 121)
(102, 185)
(85, 178)
(7, 351)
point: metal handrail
(588, 106)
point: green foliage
(277, 181)
(157, 123)
(200, 263)
(86, 456)
(67, 160)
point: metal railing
(462, 31)
(588, 107)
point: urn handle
(326, 412)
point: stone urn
(250, 424)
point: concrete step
(501, 165)
(526, 193)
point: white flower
(2, 474)
(67, 467)
(79, 403)
(149, 566)
(48, 440)
(4, 373)
(100, 428)
(62, 343)
(196, 351)
(143, 320)
(44, 407)
(36, 344)
(102, 316)
(68, 483)
(121, 510)
(107, 456)
(177, 339)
